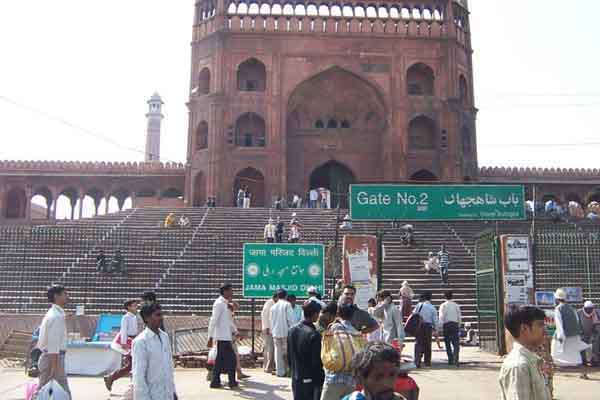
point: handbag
(212, 356)
(338, 348)
(414, 322)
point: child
(376, 368)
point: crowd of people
(304, 342)
(274, 231)
(568, 211)
(115, 265)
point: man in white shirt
(429, 323)
(268, 346)
(296, 310)
(450, 320)
(269, 233)
(153, 371)
(53, 341)
(282, 319)
(128, 332)
(222, 330)
(313, 196)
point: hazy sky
(94, 64)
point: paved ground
(475, 380)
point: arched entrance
(336, 178)
(199, 190)
(16, 203)
(336, 114)
(254, 182)
(423, 175)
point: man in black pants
(304, 355)
(429, 319)
(220, 329)
(450, 319)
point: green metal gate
(489, 295)
(568, 256)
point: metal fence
(568, 256)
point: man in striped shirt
(444, 260)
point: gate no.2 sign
(293, 267)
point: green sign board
(437, 202)
(293, 267)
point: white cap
(405, 283)
(560, 294)
(312, 289)
(588, 304)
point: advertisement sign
(293, 267)
(574, 294)
(436, 202)
(360, 266)
(544, 298)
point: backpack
(414, 322)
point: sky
(75, 76)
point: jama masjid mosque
(289, 96)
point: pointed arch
(252, 76)
(204, 81)
(422, 133)
(420, 80)
(202, 136)
(253, 181)
(250, 131)
(335, 177)
(15, 203)
(423, 175)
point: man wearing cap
(566, 344)
(313, 295)
(589, 317)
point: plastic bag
(30, 389)
(212, 356)
(53, 391)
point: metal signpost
(293, 267)
(436, 202)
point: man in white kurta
(566, 344)
(153, 374)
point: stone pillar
(28, 196)
(107, 198)
(2, 202)
(81, 197)
(73, 203)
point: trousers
(452, 342)
(280, 355)
(60, 376)
(306, 391)
(423, 344)
(268, 353)
(225, 362)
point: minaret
(154, 117)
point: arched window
(345, 124)
(312, 10)
(276, 9)
(265, 9)
(252, 76)
(332, 124)
(232, 9)
(204, 81)
(323, 10)
(250, 131)
(463, 91)
(253, 9)
(202, 136)
(420, 80)
(467, 141)
(319, 124)
(347, 11)
(421, 134)
(336, 11)
(300, 10)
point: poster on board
(360, 266)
